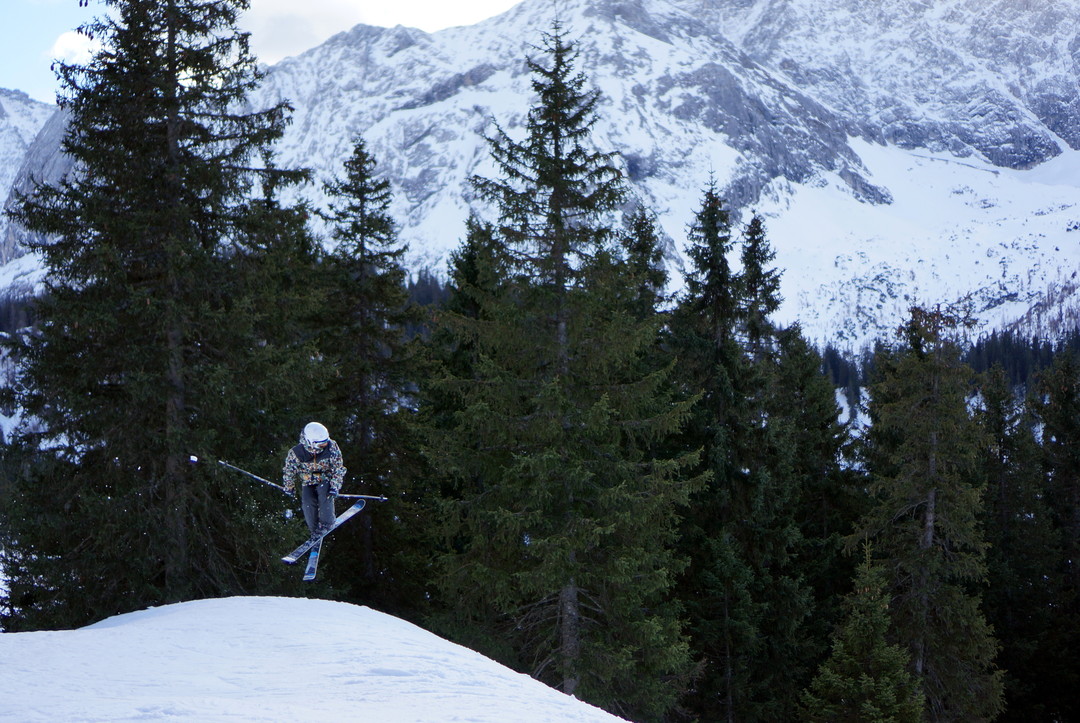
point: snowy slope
(266, 659)
(999, 239)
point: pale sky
(34, 32)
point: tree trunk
(176, 491)
(570, 636)
(925, 544)
(729, 667)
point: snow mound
(266, 659)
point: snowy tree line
(645, 501)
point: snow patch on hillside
(267, 659)
(955, 230)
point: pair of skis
(313, 545)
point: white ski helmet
(315, 433)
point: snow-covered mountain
(901, 152)
(266, 659)
(21, 120)
(995, 79)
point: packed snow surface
(266, 659)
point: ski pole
(193, 459)
(378, 498)
(222, 462)
(253, 476)
(288, 513)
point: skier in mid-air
(316, 462)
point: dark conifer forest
(651, 500)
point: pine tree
(824, 498)
(710, 304)
(1058, 411)
(150, 339)
(363, 335)
(865, 679)
(1023, 554)
(477, 277)
(923, 451)
(563, 531)
(747, 601)
(760, 284)
(771, 448)
(723, 616)
(645, 264)
(478, 270)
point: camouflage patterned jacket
(311, 466)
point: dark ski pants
(318, 505)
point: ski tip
(289, 560)
(193, 459)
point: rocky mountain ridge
(21, 121)
(900, 152)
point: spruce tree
(1058, 410)
(865, 679)
(477, 276)
(926, 485)
(760, 284)
(823, 497)
(150, 345)
(769, 447)
(363, 337)
(767, 425)
(645, 264)
(1023, 554)
(746, 603)
(478, 270)
(723, 616)
(562, 535)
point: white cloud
(73, 47)
(434, 15)
(280, 28)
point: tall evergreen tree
(865, 679)
(149, 345)
(923, 453)
(710, 305)
(1023, 554)
(723, 617)
(563, 532)
(478, 270)
(747, 600)
(825, 497)
(645, 264)
(477, 276)
(1058, 410)
(363, 336)
(760, 284)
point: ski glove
(335, 489)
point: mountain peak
(894, 149)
